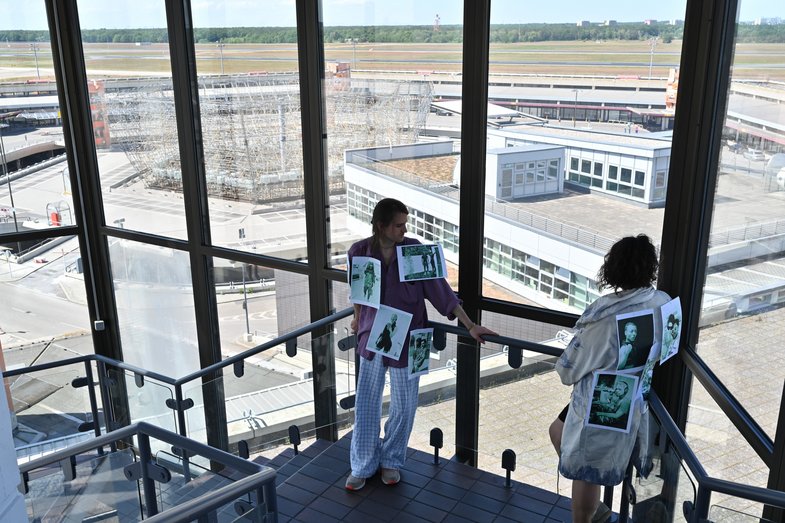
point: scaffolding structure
(252, 129)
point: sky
(95, 14)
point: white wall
(12, 503)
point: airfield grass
(615, 58)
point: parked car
(754, 154)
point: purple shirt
(406, 296)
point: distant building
(675, 22)
(609, 22)
(632, 166)
(518, 172)
(649, 22)
(583, 23)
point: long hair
(383, 215)
(630, 264)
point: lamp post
(221, 49)
(575, 107)
(7, 178)
(245, 307)
(653, 44)
(35, 48)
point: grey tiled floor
(449, 492)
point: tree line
(501, 33)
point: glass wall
(744, 288)
(134, 125)
(578, 135)
(249, 97)
(44, 313)
(387, 66)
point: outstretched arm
(475, 330)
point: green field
(615, 58)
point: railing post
(267, 495)
(702, 500)
(148, 484)
(181, 428)
(93, 401)
(106, 402)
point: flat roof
(590, 137)
(494, 111)
(523, 148)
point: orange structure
(672, 89)
(99, 114)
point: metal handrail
(261, 479)
(708, 484)
(332, 318)
(191, 510)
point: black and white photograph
(420, 342)
(611, 404)
(365, 281)
(636, 337)
(671, 329)
(647, 375)
(388, 332)
(421, 262)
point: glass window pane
(394, 134)
(249, 98)
(744, 287)
(600, 121)
(44, 315)
(35, 189)
(155, 307)
(257, 304)
(132, 104)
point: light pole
(245, 307)
(221, 49)
(575, 108)
(35, 48)
(7, 178)
(653, 44)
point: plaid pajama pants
(368, 452)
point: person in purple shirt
(369, 453)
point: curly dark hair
(630, 264)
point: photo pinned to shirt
(648, 372)
(388, 332)
(613, 394)
(420, 343)
(421, 262)
(365, 281)
(671, 329)
(635, 331)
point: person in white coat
(589, 455)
